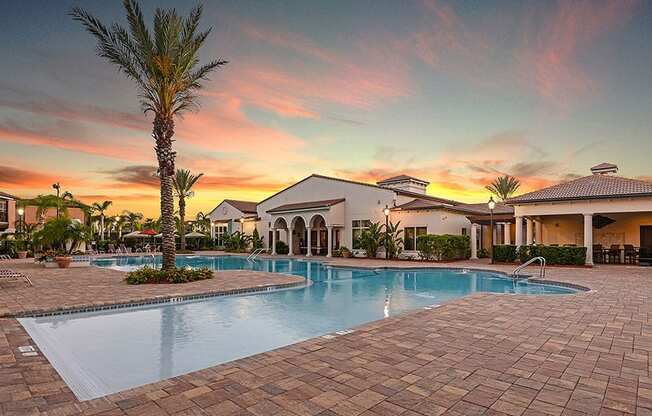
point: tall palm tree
(132, 218)
(166, 69)
(503, 187)
(203, 222)
(183, 182)
(100, 208)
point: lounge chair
(111, 249)
(5, 257)
(6, 275)
(147, 249)
(614, 253)
(631, 254)
(598, 253)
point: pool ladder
(542, 268)
(252, 256)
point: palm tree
(43, 204)
(101, 208)
(203, 222)
(166, 69)
(132, 218)
(183, 182)
(503, 187)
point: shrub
(372, 239)
(236, 242)
(256, 240)
(282, 248)
(554, 254)
(504, 253)
(150, 275)
(443, 247)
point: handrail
(542, 269)
(252, 256)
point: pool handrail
(252, 256)
(542, 269)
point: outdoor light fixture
(57, 187)
(386, 212)
(492, 205)
(20, 212)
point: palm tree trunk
(102, 227)
(163, 131)
(182, 217)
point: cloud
(140, 175)
(14, 178)
(549, 57)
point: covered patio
(308, 228)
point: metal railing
(252, 256)
(542, 269)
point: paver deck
(486, 354)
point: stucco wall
(436, 221)
(30, 214)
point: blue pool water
(103, 352)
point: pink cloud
(549, 59)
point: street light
(492, 205)
(20, 212)
(386, 212)
(57, 187)
(242, 225)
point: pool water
(103, 352)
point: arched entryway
(299, 235)
(319, 235)
(279, 224)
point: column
(212, 230)
(528, 231)
(474, 241)
(309, 248)
(519, 231)
(507, 233)
(290, 240)
(588, 238)
(273, 241)
(537, 232)
(318, 241)
(329, 240)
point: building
(597, 211)
(320, 214)
(7, 213)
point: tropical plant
(236, 242)
(62, 235)
(443, 247)
(100, 208)
(150, 275)
(203, 222)
(183, 182)
(166, 70)
(504, 187)
(393, 241)
(43, 204)
(133, 219)
(256, 240)
(371, 239)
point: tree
(371, 239)
(132, 218)
(393, 241)
(203, 222)
(62, 235)
(166, 70)
(43, 204)
(503, 187)
(100, 208)
(183, 182)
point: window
(220, 230)
(463, 231)
(410, 235)
(4, 208)
(357, 227)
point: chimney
(405, 183)
(604, 169)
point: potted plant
(61, 237)
(63, 260)
(21, 248)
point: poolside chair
(147, 249)
(598, 253)
(6, 275)
(5, 257)
(631, 254)
(111, 249)
(614, 253)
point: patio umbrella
(134, 234)
(195, 234)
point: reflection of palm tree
(173, 322)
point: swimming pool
(103, 352)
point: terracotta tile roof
(246, 207)
(475, 209)
(588, 187)
(401, 178)
(307, 205)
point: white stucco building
(319, 213)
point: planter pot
(21, 254)
(63, 262)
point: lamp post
(20, 212)
(386, 212)
(492, 204)
(58, 188)
(242, 225)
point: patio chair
(111, 249)
(614, 253)
(645, 256)
(123, 249)
(147, 248)
(631, 254)
(598, 253)
(6, 275)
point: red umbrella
(149, 232)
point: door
(646, 236)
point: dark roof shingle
(246, 207)
(588, 187)
(307, 205)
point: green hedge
(282, 248)
(149, 275)
(552, 254)
(443, 247)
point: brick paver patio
(487, 354)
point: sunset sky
(451, 92)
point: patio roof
(588, 187)
(247, 207)
(419, 204)
(5, 195)
(302, 206)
